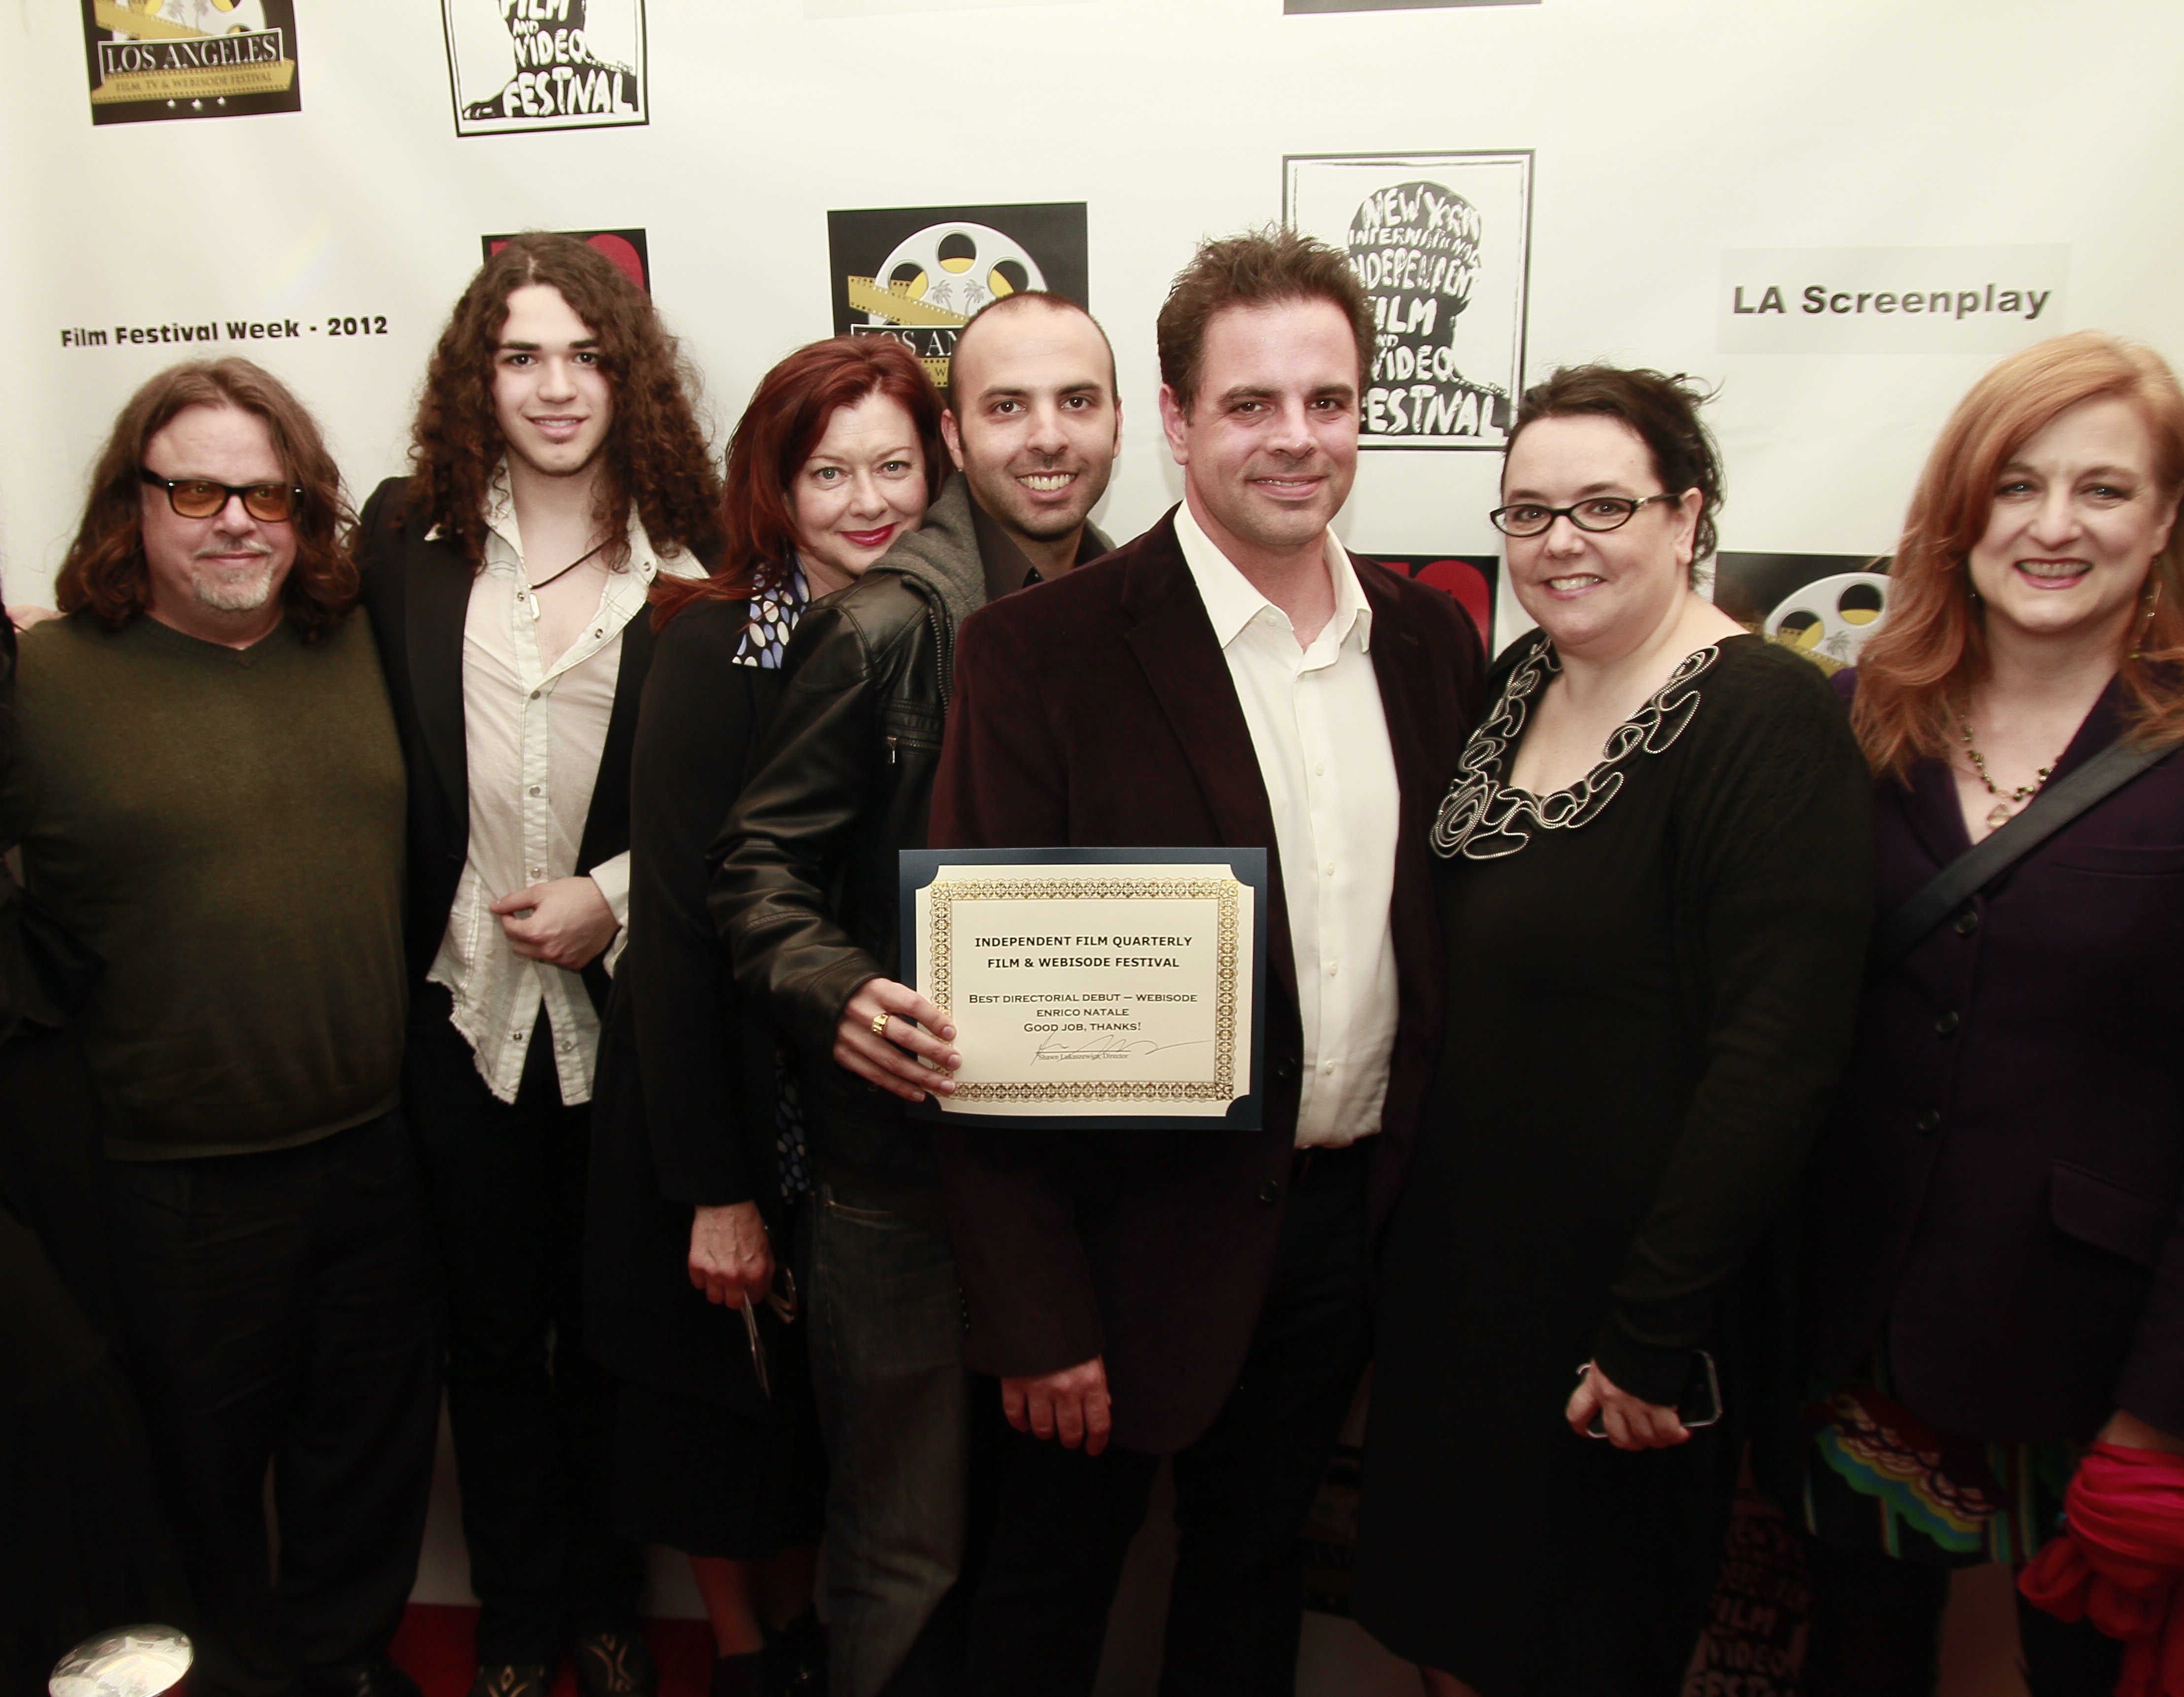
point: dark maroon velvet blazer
(1997, 1194)
(1096, 711)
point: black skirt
(703, 1479)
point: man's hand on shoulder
(890, 1036)
(1071, 1405)
(565, 922)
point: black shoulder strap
(1964, 877)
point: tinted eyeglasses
(1601, 513)
(201, 498)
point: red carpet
(435, 1645)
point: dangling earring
(2153, 598)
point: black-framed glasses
(1596, 514)
(201, 498)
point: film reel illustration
(1829, 618)
(935, 279)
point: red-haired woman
(1995, 1260)
(697, 1166)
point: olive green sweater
(226, 828)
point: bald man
(805, 895)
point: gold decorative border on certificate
(944, 893)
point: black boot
(796, 1658)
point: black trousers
(279, 1308)
(532, 1416)
(1235, 1605)
(1876, 1632)
(84, 1545)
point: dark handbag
(1970, 872)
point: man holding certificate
(1234, 679)
(805, 894)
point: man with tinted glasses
(210, 793)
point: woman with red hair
(1995, 1252)
(698, 1175)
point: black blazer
(683, 1104)
(1999, 1192)
(417, 593)
(1097, 711)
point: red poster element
(1470, 578)
(1467, 584)
(628, 248)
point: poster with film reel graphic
(919, 273)
(1824, 607)
(1442, 242)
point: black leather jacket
(804, 886)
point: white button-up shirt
(1321, 735)
(533, 734)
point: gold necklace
(2003, 809)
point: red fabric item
(2119, 1562)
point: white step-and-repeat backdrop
(1840, 212)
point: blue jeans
(886, 1368)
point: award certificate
(1093, 987)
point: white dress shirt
(1321, 735)
(533, 734)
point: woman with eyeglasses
(699, 1179)
(1994, 1255)
(1654, 867)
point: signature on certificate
(1113, 1046)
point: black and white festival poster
(918, 273)
(189, 58)
(1442, 244)
(544, 64)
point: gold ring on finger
(879, 1025)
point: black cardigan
(682, 1105)
(1999, 1194)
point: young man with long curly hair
(557, 469)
